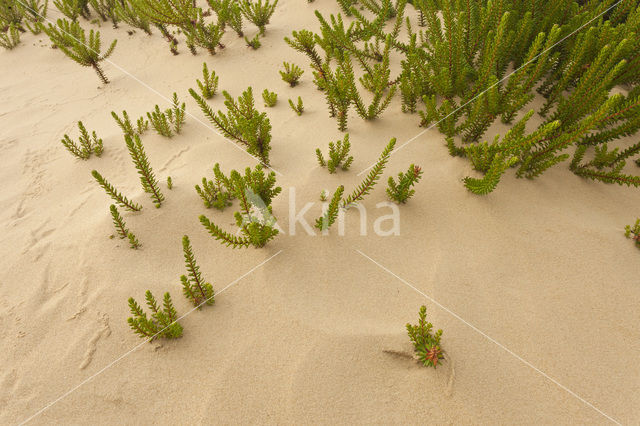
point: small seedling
(88, 144)
(270, 98)
(253, 43)
(162, 323)
(133, 241)
(323, 195)
(169, 182)
(633, 232)
(291, 73)
(258, 12)
(299, 107)
(118, 222)
(195, 289)
(338, 155)
(400, 192)
(426, 343)
(169, 121)
(209, 83)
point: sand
(535, 286)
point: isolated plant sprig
(270, 98)
(297, 108)
(88, 144)
(169, 121)
(195, 289)
(401, 191)
(163, 321)
(254, 42)
(121, 228)
(111, 191)
(127, 126)
(633, 232)
(141, 162)
(331, 214)
(338, 155)
(372, 178)
(258, 12)
(209, 83)
(291, 73)
(425, 342)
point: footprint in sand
(103, 331)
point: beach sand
(534, 285)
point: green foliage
(209, 83)
(118, 222)
(254, 191)
(401, 191)
(372, 178)
(291, 73)
(270, 98)
(112, 192)
(229, 13)
(258, 12)
(338, 155)
(72, 9)
(606, 165)
(242, 122)
(133, 241)
(323, 195)
(297, 108)
(11, 37)
(216, 193)
(88, 144)
(492, 177)
(35, 13)
(331, 214)
(129, 12)
(194, 287)
(169, 121)
(106, 9)
(169, 182)
(633, 232)
(163, 321)
(253, 43)
(425, 342)
(70, 39)
(127, 127)
(147, 178)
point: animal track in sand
(103, 331)
(38, 239)
(33, 167)
(173, 158)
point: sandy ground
(540, 266)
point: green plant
(291, 73)
(141, 162)
(254, 191)
(633, 232)
(70, 38)
(35, 13)
(338, 154)
(229, 13)
(11, 37)
(258, 12)
(242, 123)
(425, 342)
(133, 241)
(400, 192)
(169, 182)
(372, 178)
(331, 214)
(163, 322)
(195, 289)
(106, 9)
(128, 11)
(118, 222)
(72, 9)
(297, 108)
(169, 121)
(253, 43)
(270, 98)
(112, 192)
(216, 194)
(323, 195)
(209, 83)
(127, 127)
(88, 144)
